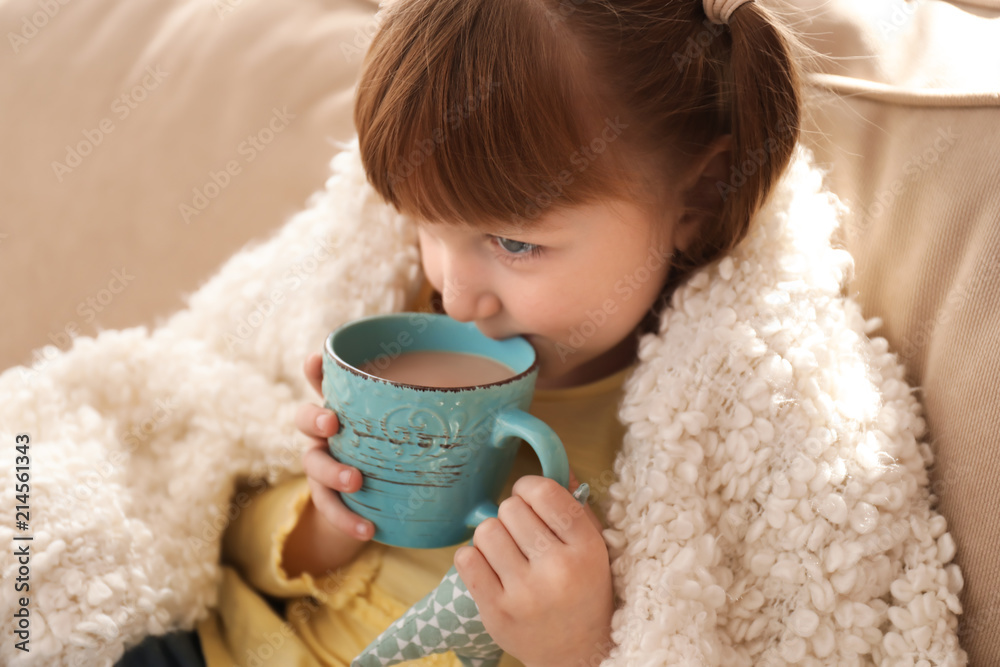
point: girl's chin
(551, 369)
(554, 361)
(541, 351)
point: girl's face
(576, 286)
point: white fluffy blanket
(771, 502)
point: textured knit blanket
(770, 503)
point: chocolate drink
(432, 368)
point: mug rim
(328, 349)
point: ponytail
(747, 78)
(757, 92)
(764, 116)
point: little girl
(569, 164)
(564, 166)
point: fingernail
(362, 529)
(345, 477)
(323, 422)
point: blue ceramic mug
(434, 460)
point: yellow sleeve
(254, 541)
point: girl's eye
(515, 251)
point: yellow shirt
(264, 618)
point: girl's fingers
(332, 509)
(530, 534)
(314, 372)
(327, 476)
(323, 469)
(494, 542)
(480, 579)
(316, 422)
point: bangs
(484, 113)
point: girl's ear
(701, 198)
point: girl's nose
(466, 302)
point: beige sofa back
(908, 121)
(144, 143)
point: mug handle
(547, 445)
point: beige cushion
(155, 100)
(911, 134)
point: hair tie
(719, 11)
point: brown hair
(479, 112)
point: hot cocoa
(432, 368)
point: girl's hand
(327, 477)
(541, 576)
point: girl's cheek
(428, 259)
